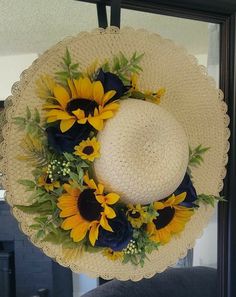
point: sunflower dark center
(165, 217)
(89, 208)
(88, 150)
(134, 214)
(87, 106)
(48, 180)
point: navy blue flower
(110, 81)
(121, 235)
(65, 142)
(191, 195)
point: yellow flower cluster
(82, 88)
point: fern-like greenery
(30, 123)
(34, 151)
(124, 67)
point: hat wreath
(109, 174)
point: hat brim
(191, 97)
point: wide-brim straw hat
(192, 101)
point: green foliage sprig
(30, 123)
(195, 157)
(143, 246)
(70, 70)
(35, 152)
(124, 67)
(210, 199)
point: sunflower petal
(78, 233)
(96, 122)
(176, 226)
(65, 125)
(80, 115)
(98, 92)
(77, 83)
(68, 211)
(93, 233)
(72, 191)
(109, 212)
(86, 88)
(71, 85)
(52, 119)
(66, 201)
(61, 115)
(100, 189)
(158, 205)
(90, 182)
(71, 222)
(170, 201)
(110, 94)
(61, 95)
(151, 228)
(164, 235)
(112, 198)
(100, 199)
(112, 106)
(104, 223)
(180, 198)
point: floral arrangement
(70, 207)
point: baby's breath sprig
(132, 248)
(57, 168)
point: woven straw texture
(191, 98)
(144, 153)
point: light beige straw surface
(144, 153)
(191, 98)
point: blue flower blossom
(121, 235)
(110, 81)
(191, 195)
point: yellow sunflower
(82, 88)
(47, 183)
(87, 210)
(112, 255)
(171, 219)
(136, 214)
(88, 149)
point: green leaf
(20, 121)
(67, 58)
(37, 207)
(26, 182)
(36, 116)
(35, 226)
(210, 199)
(123, 66)
(28, 113)
(195, 156)
(69, 157)
(40, 234)
(137, 95)
(75, 177)
(74, 66)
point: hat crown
(144, 153)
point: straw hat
(143, 148)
